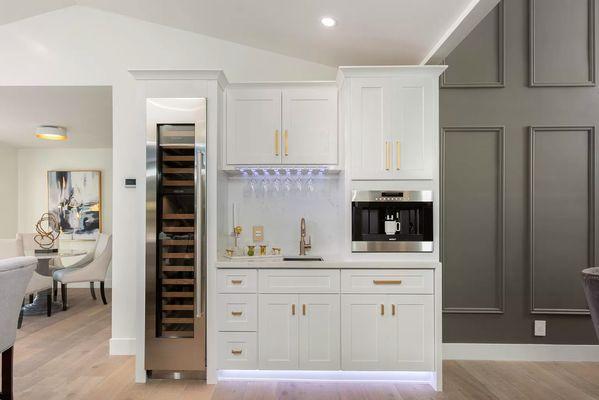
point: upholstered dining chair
(30, 245)
(15, 274)
(94, 271)
(14, 248)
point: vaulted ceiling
(367, 33)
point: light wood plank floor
(66, 357)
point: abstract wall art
(75, 198)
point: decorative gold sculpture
(48, 234)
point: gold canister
(263, 249)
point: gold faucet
(303, 245)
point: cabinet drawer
(410, 281)
(237, 281)
(298, 281)
(237, 350)
(237, 312)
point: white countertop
(328, 264)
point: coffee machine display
(392, 221)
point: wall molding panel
(500, 285)
(534, 80)
(534, 133)
(500, 83)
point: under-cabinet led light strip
(283, 171)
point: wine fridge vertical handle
(200, 182)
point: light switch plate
(258, 234)
(540, 328)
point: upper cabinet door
(371, 127)
(392, 127)
(309, 125)
(253, 126)
(277, 331)
(411, 335)
(319, 332)
(413, 128)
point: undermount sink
(302, 258)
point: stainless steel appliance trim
(391, 247)
(377, 195)
(155, 374)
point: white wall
(33, 165)
(82, 46)
(8, 192)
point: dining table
(44, 267)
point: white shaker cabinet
(364, 341)
(253, 126)
(282, 125)
(278, 331)
(387, 332)
(310, 125)
(299, 331)
(319, 334)
(393, 122)
(411, 333)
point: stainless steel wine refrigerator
(175, 343)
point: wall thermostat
(130, 182)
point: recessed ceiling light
(50, 132)
(329, 22)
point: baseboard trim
(520, 352)
(122, 346)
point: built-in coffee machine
(392, 221)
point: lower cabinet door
(277, 331)
(364, 344)
(319, 332)
(411, 339)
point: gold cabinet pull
(398, 155)
(236, 352)
(382, 309)
(293, 309)
(392, 309)
(386, 282)
(303, 309)
(236, 281)
(286, 143)
(236, 313)
(277, 147)
(387, 163)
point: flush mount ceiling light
(51, 132)
(329, 22)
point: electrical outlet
(540, 328)
(258, 234)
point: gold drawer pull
(286, 143)
(236, 281)
(277, 147)
(386, 282)
(382, 309)
(293, 309)
(236, 352)
(236, 313)
(392, 309)
(303, 309)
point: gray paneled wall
(518, 110)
